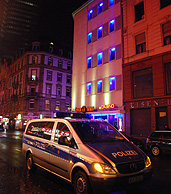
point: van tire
(155, 150)
(81, 183)
(31, 167)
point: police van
(90, 154)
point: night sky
(56, 22)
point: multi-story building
(97, 60)
(36, 84)
(18, 24)
(147, 65)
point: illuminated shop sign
(106, 106)
(84, 109)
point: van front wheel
(81, 183)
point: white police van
(90, 154)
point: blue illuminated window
(99, 86)
(89, 62)
(111, 2)
(99, 58)
(112, 83)
(112, 53)
(100, 31)
(89, 37)
(111, 25)
(100, 8)
(88, 88)
(90, 14)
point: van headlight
(147, 162)
(103, 168)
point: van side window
(62, 130)
(40, 129)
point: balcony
(32, 81)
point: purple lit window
(112, 83)
(111, 25)
(100, 31)
(89, 37)
(111, 2)
(90, 14)
(99, 86)
(112, 53)
(99, 58)
(100, 8)
(89, 62)
(88, 88)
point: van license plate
(135, 179)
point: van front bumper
(101, 185)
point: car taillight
(147, 140)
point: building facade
(36, 85)
(18, 24)
(147, 65)
(97, 61)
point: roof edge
(81, 8)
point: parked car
(159, 142)
(90, 154)
(136, 141)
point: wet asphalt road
(14, 178)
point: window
(60, 63)
(89, 37)
(89, 62)
(69, 66)
(140, 43)
(68, 91)
(50, 49)
(168, 77)
(139, 11)
(99, 58)
(49, 75)
(31, 104)
(50, 61)
(68, 80)
(33, 74)
(59, 77)
(34, 59)
(90, 14)
(112, 83)
(99, 86)
(164, 3)
(100, 8)
(48, 88)
(57, 105)
(47, 104)
(100, 31)
(111, 2)
(143, 83)
(167, 33)
(62, 130)
(58, 90)
(111, 25)
(67, 106)
(88, 88)
(112, 53)
(60, 52)
(32, 89)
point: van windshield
(94, 132)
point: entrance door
(161, 118)
(141, 122)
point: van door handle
(52, 146)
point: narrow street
(14, 178)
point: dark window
(31, 104)
(139, 11)
(68, 81)
(59, 77)
(49, 75)
(140, 43)
(89, 62)
(48, 89)
(60, 63)
(168, 77)
(164, 3)
(143, 83)
(167, 33)
(69, 66)
(68, 91)
(50, 61)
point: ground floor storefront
(144, 116)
